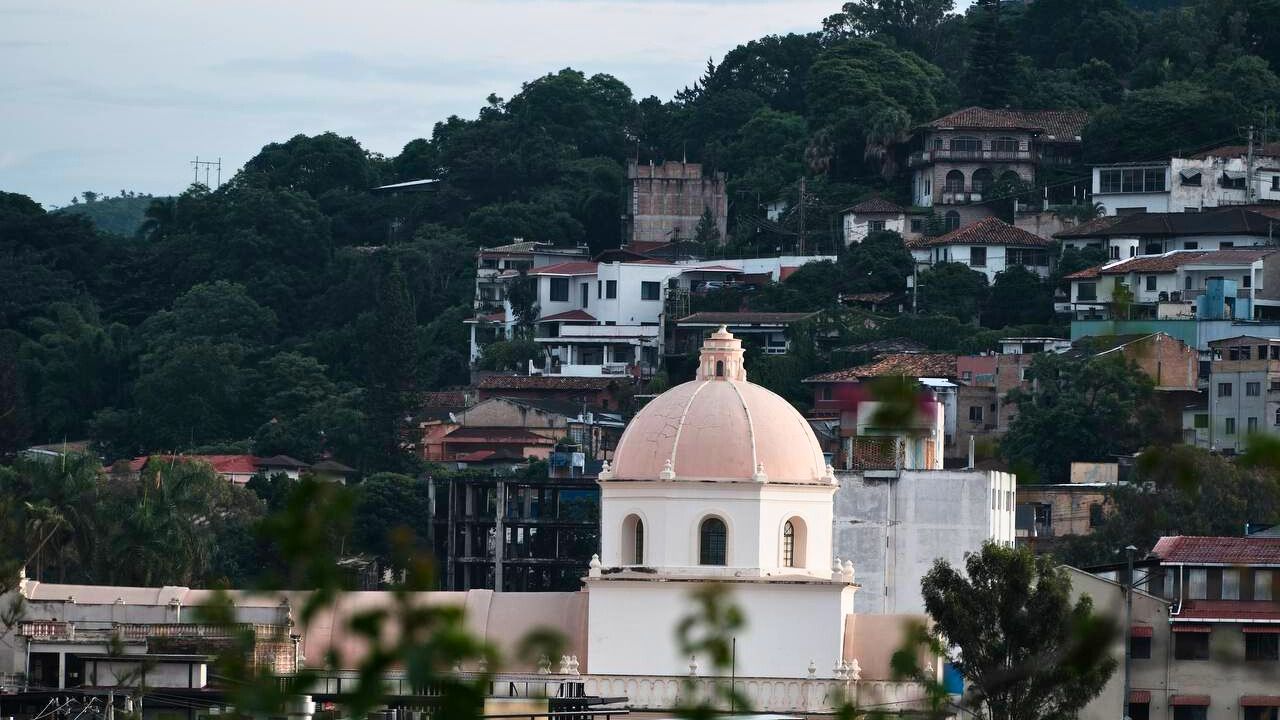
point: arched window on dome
(633, 540)
(712, 542)
(719, 368)
(793, 543)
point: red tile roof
(444, 398)
(1239, 151)
(1192, 550)
(1230, 610)
(876, 205)
(1089, 228)
(221, 464)
(500, 316)
(1168, 262)
(744, 318)
(566, 268)
(1086, 274)
(497, 435)
(1064, 125)
(906, 364)
(990, 231)
(581, 315)
(542, 382)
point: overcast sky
(123, 94)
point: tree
(1175, 117)
(392, 375)
(1024, 648)
(1090, 408)
(911, 24)
(879, 263)
(707, 233)
(953, 289)
(387, 503)
(1018, 297)
(987, 80)
(311, 164)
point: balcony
(960, 197)
(925, 157)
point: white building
(990, 246)
(608, 316)
(1126, 236)
(877, 215)
(1206, 180)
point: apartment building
(1244, 390)
(1214, 178)
(1126, 236)
(958, 158)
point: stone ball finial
(836, 568)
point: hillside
(120, 215)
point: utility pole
(1250, 190)
(1128, 628)
(802, 186)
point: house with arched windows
(958, 159)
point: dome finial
(721, 357)
(668, 471)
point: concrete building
(1214, 178)
(1244, 390)
(893, 524)
(1126, 236)
(1239, 283)
(763, 332)
(991, 246)
(1047, 512)
(666, 201)
(876, 215)
(496, 266)
(958, 158)
(519, 427)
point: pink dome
(720, 427)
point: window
(1151, 283)
(1131, 180)
(1140, 647)
(1190, 712)
(1115, 252)
(649, 290)
(875, 226)
(1191, 645)
(559, 289)
(983, 179)
(826, 393)
(611, 289)
(1198, 584)
(917, 225)
(1190, 178)
(1201, 421)
(1261, 646)
(965, 145)
(1226, 244)
(954, 182)
(1252, 389)
(1027, 256)
(712, 545)
(1230, 427)
(1262, 582)
(1190, 245)
(1278, 417)
(1275, 182)
(1224, 389)
(1251, 425)
(978, 257)
(975, 413)
(1154, 248)
(1095, 515)
(1187, 283)
(788, 545)
(1232, 180)
(1231, 581)
(1261, 713)
(599, 289)
(1086, 292)
(586, 293)
(633, 541)
(1005, 145)
(951, 220)
(1139, 711)
(719, 368)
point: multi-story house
(666, 201)
(1214, 178)
(989, 246)
(1244, 390)
(1126, 236)
(496, 266)
(1238, 283)
(607, 317)
(959, 157)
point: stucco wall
(893, 530)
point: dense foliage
(296, 310)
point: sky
(124, 94)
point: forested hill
(120, 215)
(294, 311)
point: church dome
(720, 427)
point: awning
(1189, 701)
(1140, 696)
(1181, 628)
(1140, 631)
(1262, 629)
(1233, 174)
(1260, 701)
(1188, 174)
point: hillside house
(958, 158)
(1125, 236)
(877, 215)
(1214, 178)
(991, 246)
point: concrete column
(62, 670)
